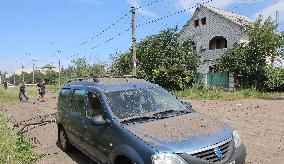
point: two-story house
(212, 31)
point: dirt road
(259, 122)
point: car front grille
(209, 153)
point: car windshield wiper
(170, 111)
(138, 118)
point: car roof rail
(108, 79)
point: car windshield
(142, 102)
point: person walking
(23, 92)
(41, 91)
(5, 84)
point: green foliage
(97, 70)
(162, 60)
(275, 78)
(174, 77)
(68, 74)
(248, 60)
(122, 64)
(28, 77)
(15, 148)
(51, 77)
(213, 93)
(81, 67)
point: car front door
(97, 137)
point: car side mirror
(188, 104)
(98, 120)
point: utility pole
(277, 17)
(134, 41)
(15, 78)
(23, 72)
(34, 60)
(59, 74)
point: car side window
(65, 98)
(78, 101)
(95, 107)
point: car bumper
(240, 155)
(237, 157)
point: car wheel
(63, 140)
(124, 160)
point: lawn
(12, 94)
(219, 94)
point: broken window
(95, 107)
(203, 21)
(218, 42)
(196, 22)
(78, 101)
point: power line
(106, 29)
(148, 4)
(118, 20)
(178, 12)
(153, 21)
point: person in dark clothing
(41, 91)
(5, 84)
(23, 92)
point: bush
(15, 148)
(275, 79)
(173, 78)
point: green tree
(249, 60)
(51, 77)
(68, 74)
(97, 70)
(81, 67)
(161, 59)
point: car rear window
(65, 98)
(78, 101)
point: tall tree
(249, 60)
(81, 67)
(162, 59)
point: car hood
(183, 133)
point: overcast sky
(47, 30)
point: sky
(52, 30)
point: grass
(14, 147)
(217, 93)
(12, 94)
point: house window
(203, 21)
(218, 42)
(193, 46)
(196, 22)
(212, 69)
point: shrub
(275, 79)
(15, 148)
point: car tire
(123, 160)
(63, 140)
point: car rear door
(77, 117)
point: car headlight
(237, 139)
(167, 158)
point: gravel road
(259, 122)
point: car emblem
(218, 152)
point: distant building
(48, 67)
